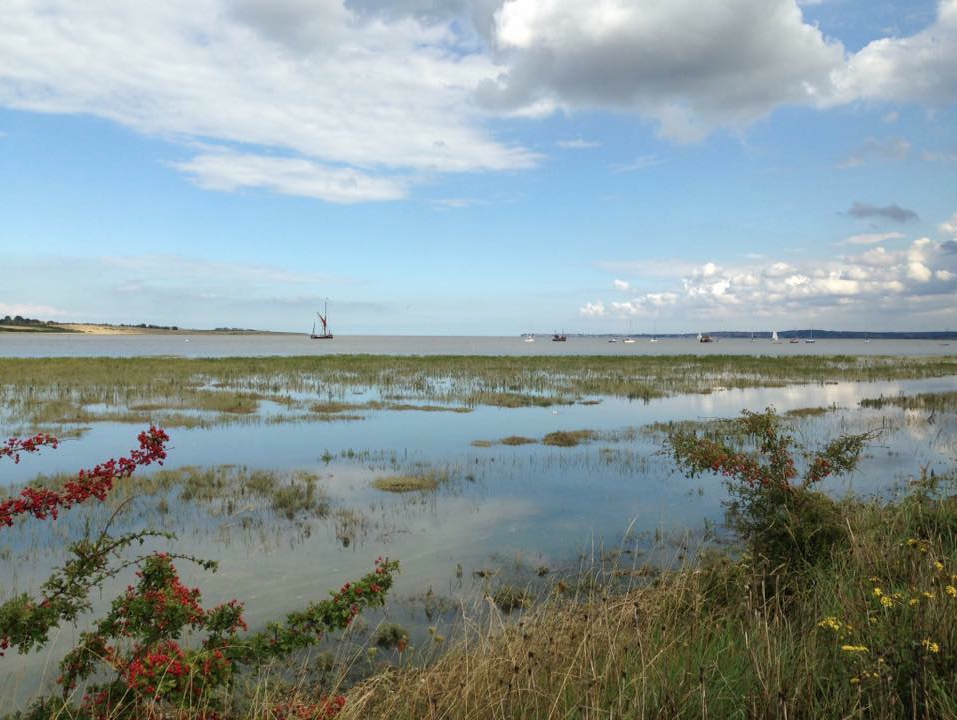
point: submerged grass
(84, 390)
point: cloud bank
(918, 282)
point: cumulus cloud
(592, 310)
(620, 284)
(865, 211)
(688, 65)
(919, 68)
(877, 280)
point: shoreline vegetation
(203, 392)
(20, 324)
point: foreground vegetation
(832, 610)
(824, 609)
(188, 392)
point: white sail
(774, 336)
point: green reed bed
(942, 401)
(54, 390)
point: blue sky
(480, 166)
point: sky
(486, 167)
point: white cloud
(918, 271)
(592, 310)
(578, 144)
(30, 310)
(358, 97)
(873, 238)
(142, 270)
(919, 68)
(891, 118)
(229, 171)
(949, 227)
(640, 163)
(939, 156)
(620, 284)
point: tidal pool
(497, 513)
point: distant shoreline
(103, 329)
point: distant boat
(559, 337)
(705, 338)
(629, 341)
(866, 339)
(614, 340)
(654, 339)
(529, 338)
(324, 319)
(794, 340)
(811, 338)
(774, 337)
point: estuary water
(215, 345)
(500, 514)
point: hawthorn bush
(783, 519)
(132, 662)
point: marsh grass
(427, 481)
(66, 390)
(568, 438)
(517, 440)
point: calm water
(504, 509)
(68, 344)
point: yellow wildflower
(929, 596)
(887, 602)
(854, 648)
(951, 590)
(938, 565)
(855, 681)
(878, 592)
(931, 646)
(913, 601)
(831, 623)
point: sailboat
(629, 340)
(529, 338)
(324, 319)
(774, 336)
(811, 338)
(654, 337)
